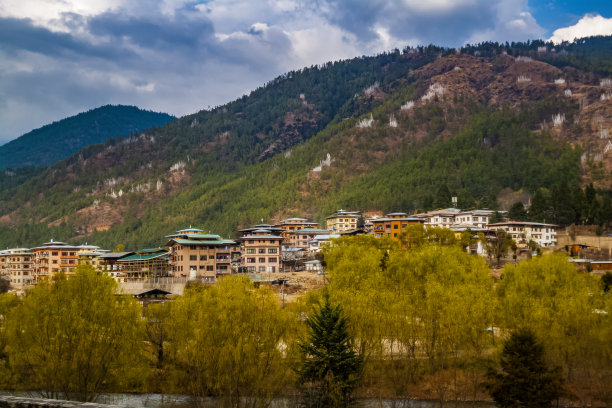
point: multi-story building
(474, 218)
(261, 251)
(439, 218)
(316, 243)
(545, 235)
(301, 238)
(453, 217)
(91, 255)
(144, 264)
(53, 257)
(343, 221)
(394, 224)
(195, 254)
(293, 224)
(17, 265)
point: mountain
(398, 131)
(61, 139)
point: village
(264, 251)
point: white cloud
(589, 25)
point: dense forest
(404, 130)
(51, 143)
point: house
(343, 221)
(292, 224)
(195, 254)
(53, 257)
(544, 235)
(301, 238)
(439, 218)
(313, 266)
(261, 250)
(17, 265)
(315, 244)
(393, 224)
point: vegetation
(524, 380)
(330, 368)
(56, 141)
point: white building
(17, 265)
(315, 244)
(545, 235)
(453, 217)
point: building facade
(53, 257)
(343, 221)
(17, 266)
(293, 224)
(301, 238)
(261, 252)
(545, 235)
(195, 254)
(393, 224)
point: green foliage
(330, 368)
(224, 341)
(74, 338)
(56, 141)
(606, 281)
(524, 380)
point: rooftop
(535, 224)
(217, 241)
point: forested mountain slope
(375, 133)
(58, 140)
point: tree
(517, 212)
(498, 247)
(606, 281)
(5, 285)
(443, 197)
(74, 337)
(330, 368)
(524, 379)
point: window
(193, 257)
(201, 266)
(251, 269)
(211, 257)
(251, 242)
(54, 253)
(272, 251)
(203, 257)
(262, 251)
(210, 268)
(192, 247)
(250, 251)
(262, 260)
(250, 260)
(395, 227)
(262, 269)
(272, 260)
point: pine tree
(524, 380)
(330, 368)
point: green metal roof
(151, 250)
(140, 257)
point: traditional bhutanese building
(196, 254)
(301, 238)
(293, 224)
(53, 257)
(17, 265)
(393, 224)
(343, 221)
(261, 251)
(144, 264)
(545, 235)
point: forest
(253, 158)
(424, 320)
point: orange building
(53, 257)
(394, 224)
(261, 251)
(294, 224)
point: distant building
(53, 257)
(301, 238)
(343, 221)
(545, 235)
(453, 217)
(261, 251)
(314, 245)
(439, 218)
(293, 224)
(393, 224)
(313, 266)
(144, 264)
(17, 265)
(198, 255)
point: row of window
(261, 260)
(261, 269)
(261, 251)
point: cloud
(587, 26)
(60, 57)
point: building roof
(310, 230)
(115, 255)
(217, 241)
(397, 213)
(194, 235)
(295, 221)
(398, 219)
(601, 262)
(526, 223)
(144, 257)
(316, 261)
(267, 236)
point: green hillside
(254, 158)
(58, 140)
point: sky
(62, 57)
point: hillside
(487, 123)
(58, 140)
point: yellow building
(343, 221)
(394, 224)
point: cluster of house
(264, 248)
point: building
(272, 229)
(439, 218)
(108, 262)
(474, 218)
(301, 238)
(292, 224)
(261, 251)
(393, 224)
(17, 265)
(195, 254)
(53, 257)
(313, 266)
(453, 217)
(144, 264)
(601, 266)
(90, 255)
(343, 221)
(315, 244)
(545, 235)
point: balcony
(223, 271)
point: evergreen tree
(443, 197)
(330, 369)
(524, 380)
(517, 212)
